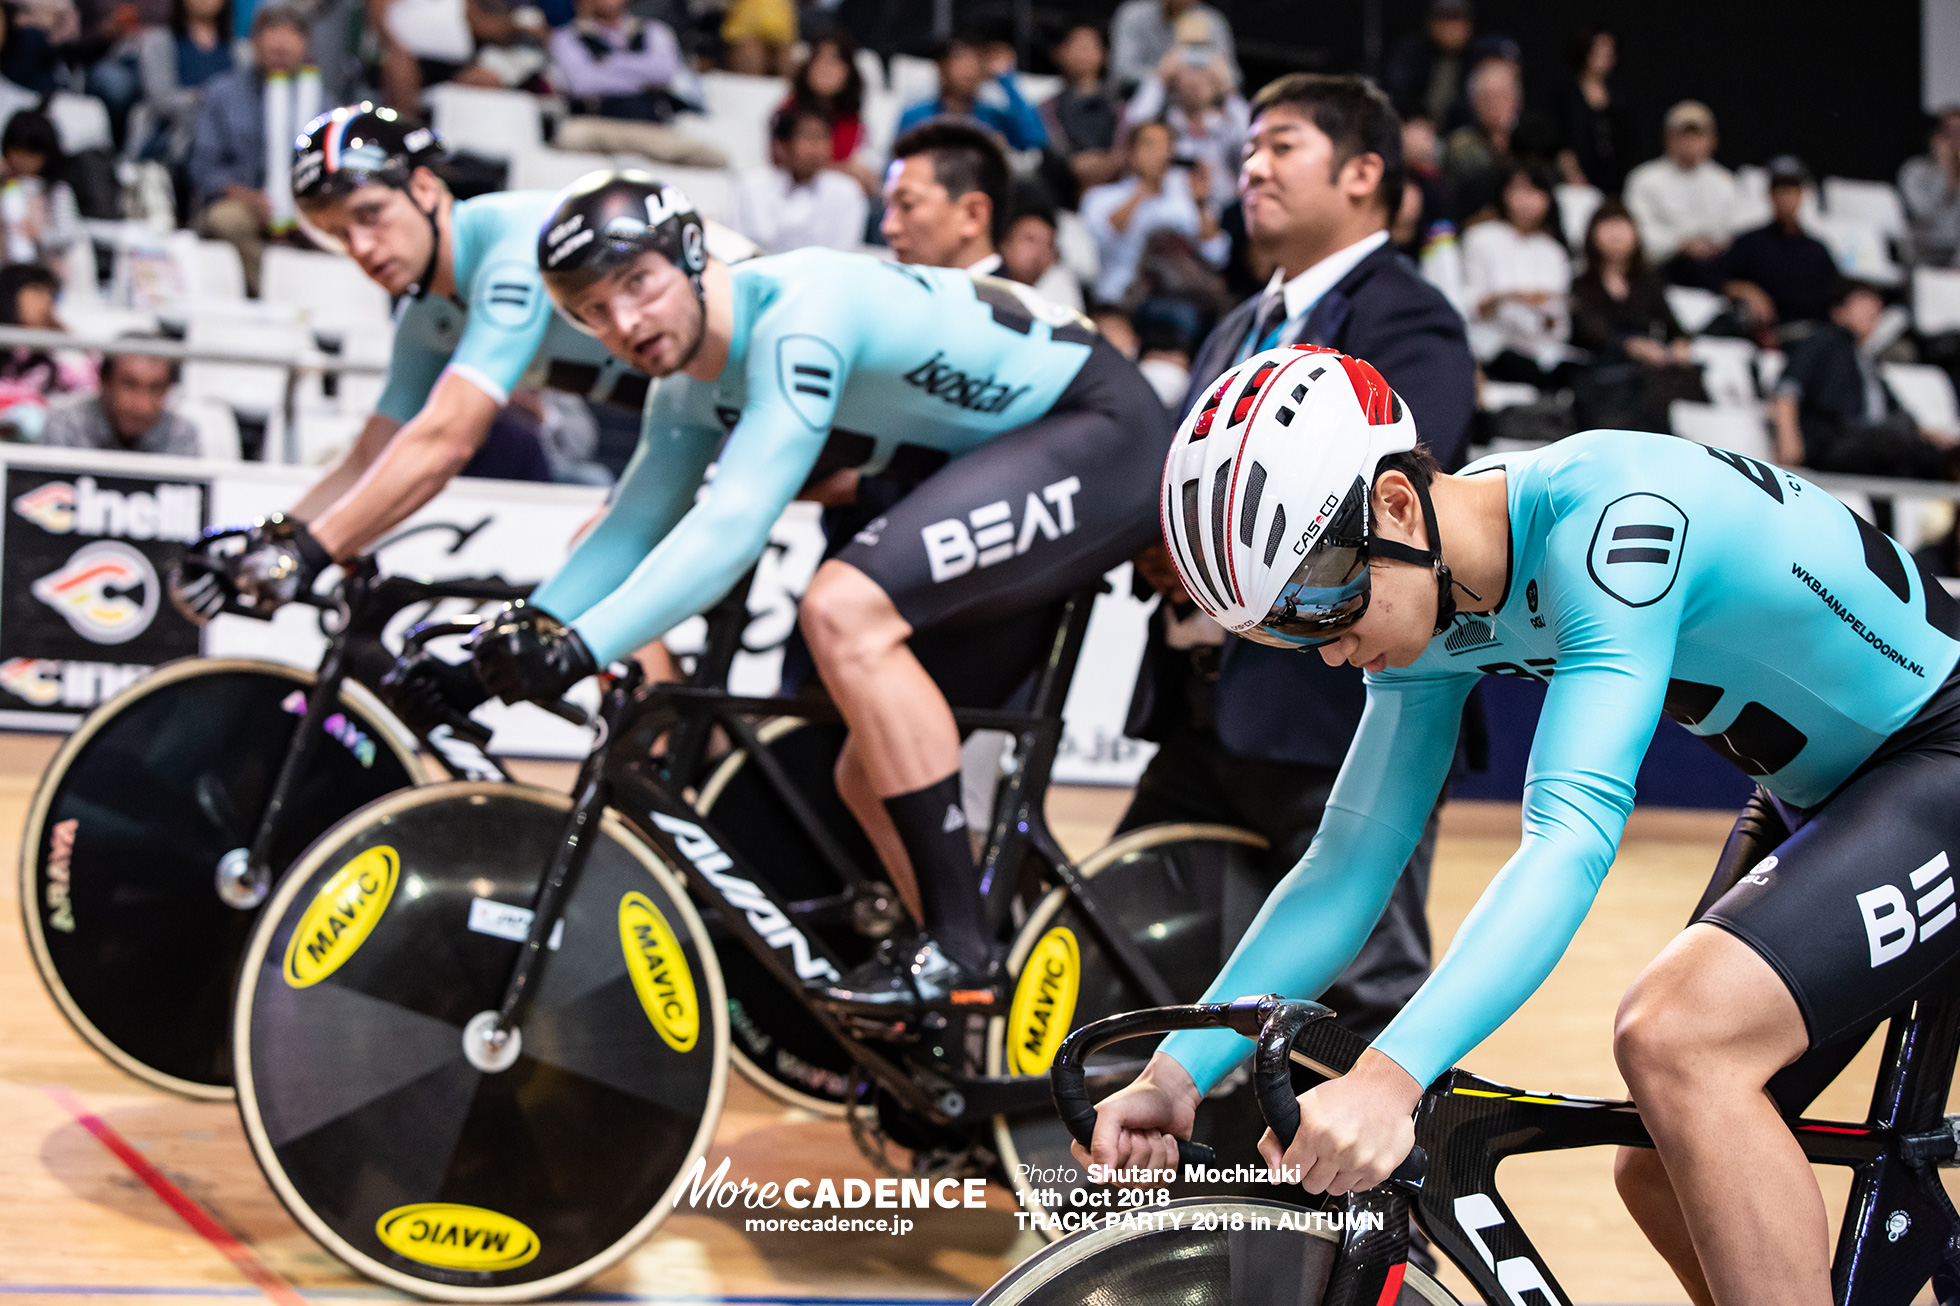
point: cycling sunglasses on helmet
(1329, 591)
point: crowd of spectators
(1118, 193)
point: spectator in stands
(1028, 252)
(175, 63)
(799, 200)
(39, 220)
(1477, 155)
(946, 197)
(1082, 117)
(1143, 32)
(1426, 70)
(1598, 129)
(1153, 196)
(1193, 95)
(1321, 181)
(1620, 316)
(1684, 201)
(1168, 331)
(227, 161)
(29, 56)
(1833, 410)
(1517, 277)
(970, 88)
(619, 70)
(829, 82)
(1425, 227)
(1930, 184)
(1780, 273)
(759, 35)
(129, 414)
(30, 376)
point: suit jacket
(1286, 706)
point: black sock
(932, 826)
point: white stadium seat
(913, 79)
(81, 121)
(872, 69)
(1693, 307)
(495, 124)
(219, 272)
(1743, 430)
(1936, 300)
(217, 427)
(1872, 204)
(1926, 392)
(548, 169)
(1576, 205)
(329, 290)
(1728, 369)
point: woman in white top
(1518, 279)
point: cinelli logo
(977, 394)
(1044, 1003)
(659, 970)
(764, 917)
(169, 512)
(452, 1236)
(341, 916)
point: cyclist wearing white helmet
(1636, 576)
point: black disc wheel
(126, 834)
(777, 1047)
(1219, 1253)
(421, 1153)
(1183, 893)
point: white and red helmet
(1265, 496)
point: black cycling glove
(526, 655)
(426, 692)
(257, 569)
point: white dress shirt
(779, 215)
(1121, 252)
(1303, 290)
(1499, 259)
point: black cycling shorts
(1853, 902)
(978, 556)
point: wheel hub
(237, 886)
(488, 1048)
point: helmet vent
(1255, 485)
(1285, 416)
(1194, 538)
(1276, 534)
(1316, 374)
(1300, 392)
(1250, 393)
(1221, 488)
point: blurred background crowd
(1616, 260)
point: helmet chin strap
(420, 289)
(1432, 558)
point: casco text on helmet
(1266, 487)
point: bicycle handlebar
(1068, 1077)
(1272, 1080)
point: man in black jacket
(1251, 735)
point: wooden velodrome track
(77, 1223)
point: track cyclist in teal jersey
(1000, 455)
(473, 320)
(1637, 575)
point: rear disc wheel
(125, 836)
(410, 1149)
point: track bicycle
(1898, 1224)
(483, 1030)
(162, 821)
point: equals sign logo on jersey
(812, 380)
(1636, 548)
(810, 372)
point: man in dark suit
(1252, 735)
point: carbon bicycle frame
(1897, 1223)
(653, 799)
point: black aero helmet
(347, 148)
(605, 220)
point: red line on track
(199, 1219)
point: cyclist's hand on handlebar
(256, 569)
(1140, 1125)
(426, 692)
(525, 655)
(1353, 1130)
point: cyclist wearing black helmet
(983, 451)
(472, 322)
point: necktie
(1265, 335)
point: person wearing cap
(1781, 274)
(1685, 202)
(475, 322)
